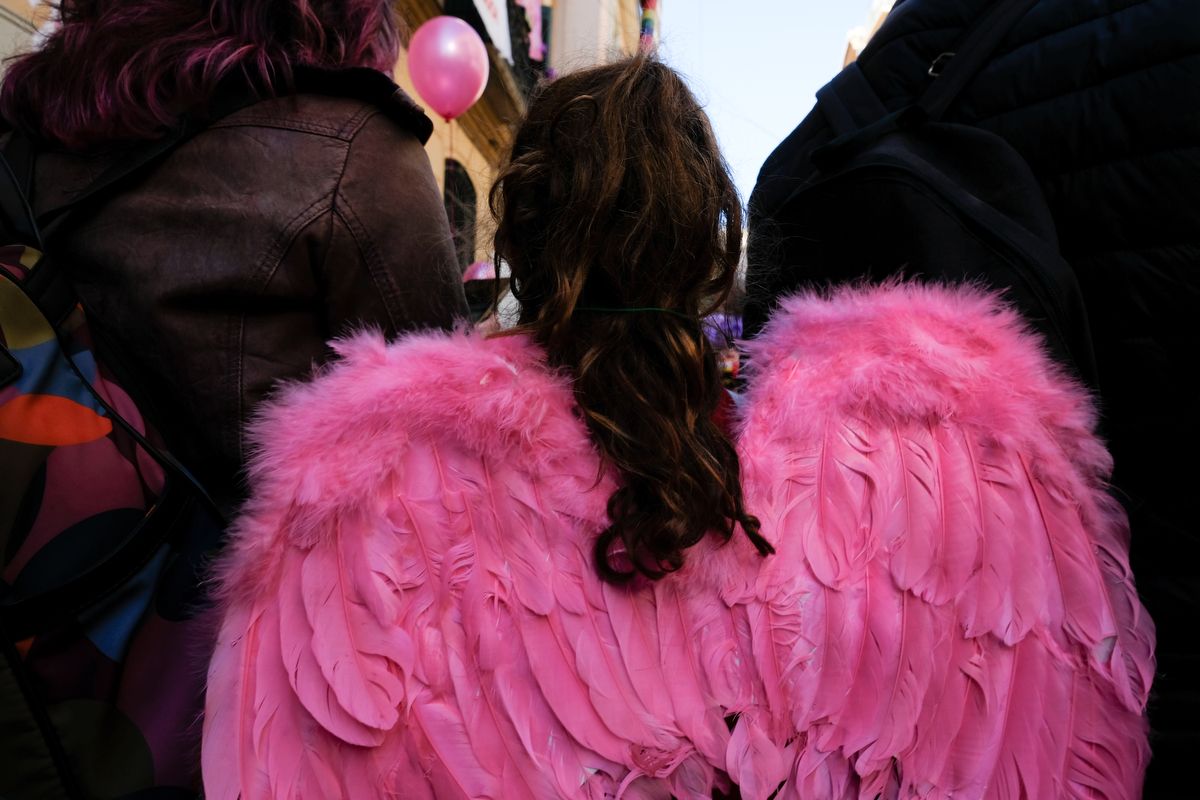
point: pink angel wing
(950, 611)
(437, 623)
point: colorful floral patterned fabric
(111, 670)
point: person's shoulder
(336, 104)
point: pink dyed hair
(126, 69)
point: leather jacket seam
(357, 120)
(343, 210)
(266, 266)
(344, 130)
(369, 256)
(316, 129)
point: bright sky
(756, 65)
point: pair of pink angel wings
(411, 609)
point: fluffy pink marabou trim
(919, 352)
(331, 445)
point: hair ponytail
(622, 228)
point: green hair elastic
(629, 310)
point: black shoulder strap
(857, 116)
(129, 165)
(952, 71)
(20, 153)
(16, 176)
(16, 173)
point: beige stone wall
(589, 32)
(20, 8)
(17, 27)
(857, 38)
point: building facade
(18, 30)
(858, 37)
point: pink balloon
(448, 63)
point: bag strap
(21, 152)
(858, 117)
(19, 157)
(953, 71)
(16, 175)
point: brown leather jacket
(228, 267)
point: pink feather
(635, 625)
(1131, 663)
(815, 772)
(226, 750)
(599, 666)
(960, 526)
(1001, 599)
(453, 766)
(1107, 752)
(290, 625)
(289, 746)
(1088, 615)
(1034, 740)
(686, 635)
(918, 546)
(781, 653)
(360, 654)
(833, 539)
(486, 643)
(515, 506)
(756, 764)
(552, 664)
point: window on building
(459, 198)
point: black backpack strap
(133, 163)
(49, 290)
(138, 160)
(855, 113)
(20, 155)
(46, 287)
(16, 177)
(953, 71)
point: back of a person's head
(618, 218)
(118, 70)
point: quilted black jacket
(1102, 98)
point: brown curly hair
(622, 228)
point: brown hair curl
(616, 198)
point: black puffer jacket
(1102, 98)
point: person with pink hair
(532, 564)
(308, 209)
